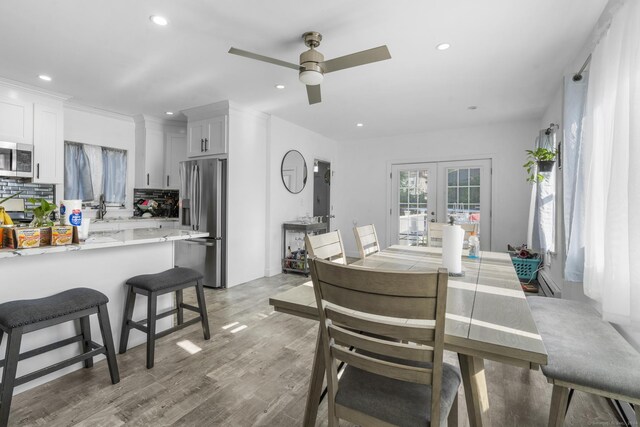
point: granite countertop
(132, 218)
(110, 239)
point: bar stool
(152, 285)
(23, 316)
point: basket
(527, 269)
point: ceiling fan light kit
(313, 67)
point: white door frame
(437, 159)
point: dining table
(487, 318)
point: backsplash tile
(11, 186)
(167, 201)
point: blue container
(527, 269)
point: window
(463, 192)
(92, 171)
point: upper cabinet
(208, 130)
(48, 144)
(160, 147)
(208, 137)
(16, 120)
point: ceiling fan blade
(313, 93)
(263, 58)
(376, 54)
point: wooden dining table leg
(475, 390)
(315, 385)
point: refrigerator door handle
(194, 205)
(198, 196)
(202, 241)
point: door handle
(38, 170)
(206, 144)
(167, 180)
(147, 179)
(433, 220)
(201, 145)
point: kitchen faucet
(102, 208)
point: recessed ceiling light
(279, 86)
(472, 107)
(443, 46)
(359, 124)
(159, 20)
(45, 77)
(169, 113)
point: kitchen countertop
(133, 218)
(110, 239)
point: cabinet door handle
(206, 144)
(167, 180)
(147, 179)
(38, 170)
(201, 145)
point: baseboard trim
(548, 286)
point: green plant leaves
(540, 154)
(42, 213)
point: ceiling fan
(313, 67)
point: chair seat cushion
(583, 349)
(25, 312)
(164, 280)
(397, 402)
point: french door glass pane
(413, 209)
(463, 194)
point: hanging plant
(540, 160)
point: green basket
(527, 269)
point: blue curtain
(114, 175)
(77, 173)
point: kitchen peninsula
(103, 262)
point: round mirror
(294, 171)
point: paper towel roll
(452, 240)
(71, 212)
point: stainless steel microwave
(16, 160)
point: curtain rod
(578, 76)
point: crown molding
(34, 90)
(94, 110)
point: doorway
(322, 191)
(431, 192)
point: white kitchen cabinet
(48, 144)
(208, 137)
(16, 120)
(160, 147)
(175, 152)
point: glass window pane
(463, 195)
(412, 195)
(475, 176)
(453, 195)
(422, 198)
(464, 177)
(404, 195)
(453, 177)
(474, 194)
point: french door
(433, 192)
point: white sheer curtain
(611, 159)
(575, 98)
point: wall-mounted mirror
(294, 171)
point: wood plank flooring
(256, 376)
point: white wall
(283, 205)
(92, 126)
(362, 193)
(247, 196)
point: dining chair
(435, 232)
(366, 240)
(388, 327)
(327, 246)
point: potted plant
(42, 219)
(540, 160)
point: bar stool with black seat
(152, 285)
(20, 317)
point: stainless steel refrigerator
(203, 199)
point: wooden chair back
(378, 303)
(366, 240)
(327, 246)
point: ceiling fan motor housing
(310, 60)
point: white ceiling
(507, 57)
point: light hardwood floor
(255, 376)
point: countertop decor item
(42, 212)
(539, 160)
